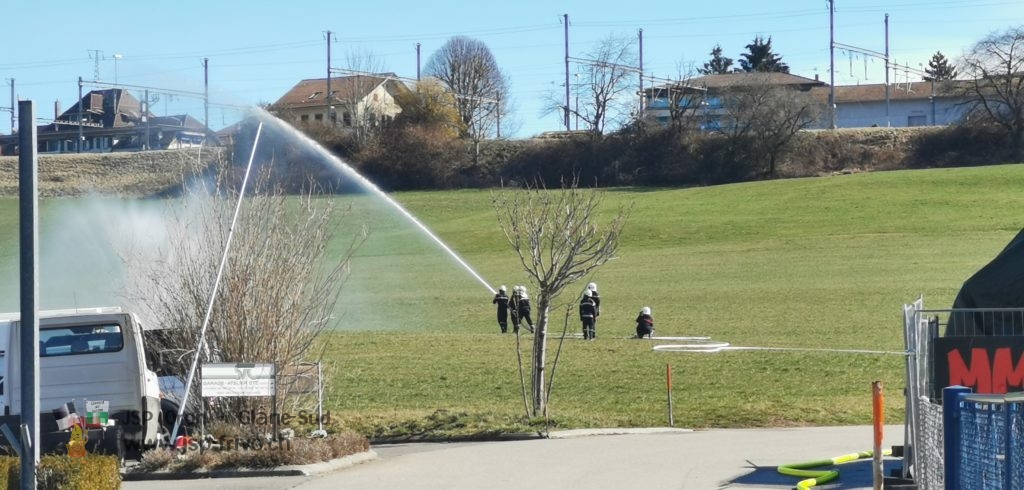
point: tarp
(999, 284)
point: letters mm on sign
(986, 364)
(238, 379)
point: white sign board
(238, 379)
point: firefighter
(501, 299)
(644, 323)
(588, 312)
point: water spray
(367, 184)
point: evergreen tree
(939, 68)
(759, 57)
(718, 65)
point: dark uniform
(513, 308)
(588, 312)
(644, 325)
(501, 299)
(524, 309)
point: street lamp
(116, 57)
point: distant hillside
(135, 174)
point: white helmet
(501, 288)
(522, 292)
(587, 293)
(592, 286)
(646, 310)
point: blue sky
(258, 50)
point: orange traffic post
(878, 418)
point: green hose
(819, 477)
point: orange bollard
(878, 419)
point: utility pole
(116, 57)
(417, 62)
(96, 55)
(867, 52)
(832, 63)
(328, 99)
(565, 18)
(11, 109)
(640, 111)
(206, 96)
(887, 121)
(81, 137)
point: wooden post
(668, 382)
(878, 417)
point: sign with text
(238, 379)
(986, 364)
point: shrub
(66, 473)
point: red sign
(986, 364)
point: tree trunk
(540, 341)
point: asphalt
(595, 459)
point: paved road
(707, 459)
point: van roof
(15, 316)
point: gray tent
(1000, 284)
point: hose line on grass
(819, 477)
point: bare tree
(606, 84)
(995, 68)
(759, 120)
(361, 97)
(480, 88)
(276, 296)
(558, 241)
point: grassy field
(822, 263)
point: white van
(87, 354)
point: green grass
(821, 263)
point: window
(89, 339)
(305, 117)
(917, 120)
(313, 95)
(319, 117)
(346, 118)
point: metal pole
(81, 137)
(206, 96)
(878, 418)
(934, 122)
(320, 395)
(565, 18)
(832, 63)
(668, 382)
(328, 99)
(28, 219)
(640, 110)
(887, 123)
(417, 62)
(145, 116)
(216, 285)
(12, 105)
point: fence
(924, 439)
(984, 436)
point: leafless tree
(357, 106)
(276, 296)
(759, 120)
(607, 83)
(480, 88)
(558, 240)
(995, 69)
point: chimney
(816, 78)
(56, 109)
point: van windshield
(89, 339)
